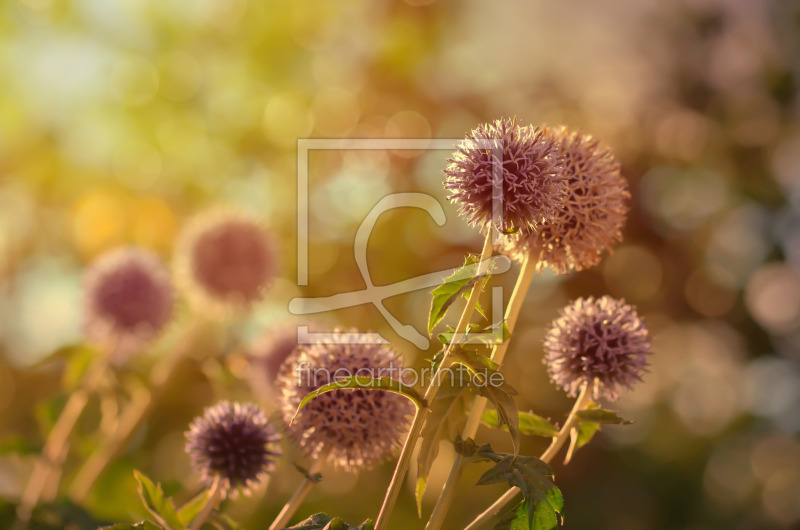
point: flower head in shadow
(235, 442)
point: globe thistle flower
(128, 300)
(357, 429)
(599, 342)
(225, 262)
(594, 209)
(530, 189)
(235, 442)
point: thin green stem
(404, 460)
(447, 494)
(300, 494)
(131, 418)
(547, 456)
(48, 466)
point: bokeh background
(118, 120)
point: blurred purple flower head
(358, 429)
(235, 442)
(594, 210)
(600, 342)
(225, 262)
(530, 177)
(128, 300)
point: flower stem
(479, 404)
(131, 418)
(213, 497)
(404, 460)
(48, 466)
(547, 456)
(291, 506)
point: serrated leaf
(507, 414)
(323, 521)
(143, 525)
(601, 416)
(358, 382)
(530, 424)
(457, 284)
(191, 509)
(156, 503)
(542, 499)
(478, 364)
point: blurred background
(118, 120)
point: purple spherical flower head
(594, 209)
(128, 300)
(235, 442)
(600, 342)
(356, 428)
(225, 262)
(524, 159)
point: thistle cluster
(559, 193)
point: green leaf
(157, 504)
(530, 424)
(323, 521)
(18, 445)
(542, 499)
(431, 433)
(359, 382)
(507, 414)
(478, 364)
(518, 518)
(144, 525)
(458, 284)
(191, 509)
(585, 431)
(47, 412)
(79, 360)
(595, 415)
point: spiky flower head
(225, 262)
(600, 342)
(594, 210)
(235, 442)
(128, 300)
(357, 429)
(516, 167)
